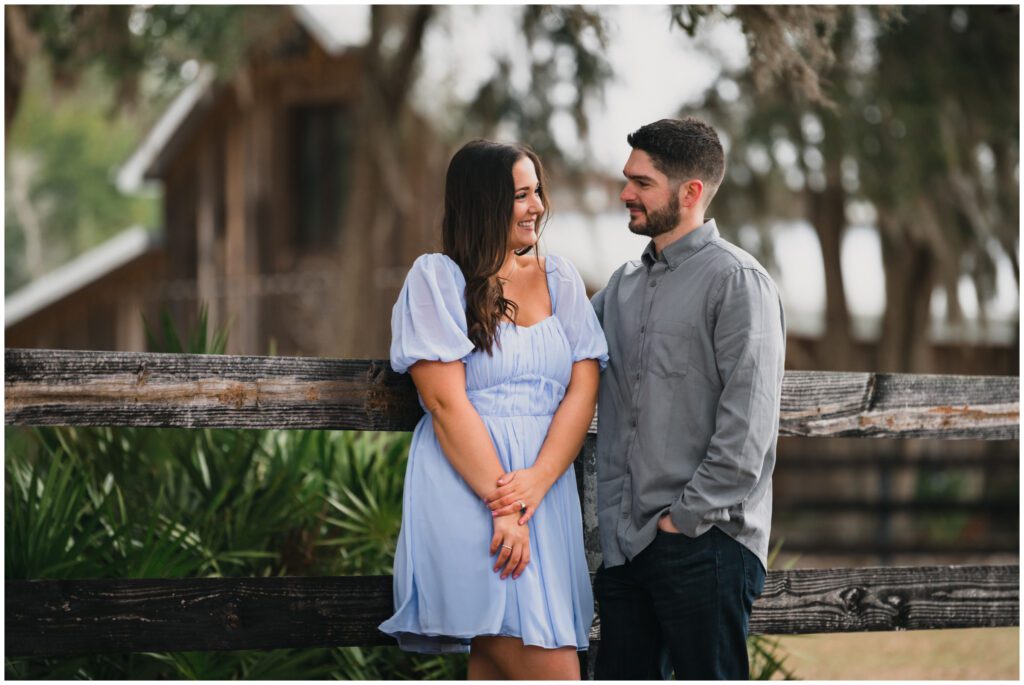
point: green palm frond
(199, 665)
(288, 664)
(366, 500)
(448, 667)
(48, 516)
(198, 341)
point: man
(688, 420)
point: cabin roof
(84, 269)
(174, 124)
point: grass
(967, 654)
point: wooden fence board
(835, 404)
(890, 598)
(65, 617)
(85, 388)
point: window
(321, 147)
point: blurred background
(283, 166)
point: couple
(507, 355)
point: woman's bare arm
(459, 428)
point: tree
(909, 136)
(128, 42)
(945, 132)
(61, 200)
(788, 144)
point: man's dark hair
(683, 149)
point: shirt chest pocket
(668, 349)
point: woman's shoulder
(561, 267)
(434, 260)
(437, 265)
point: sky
(457, 59)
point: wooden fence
(78, 388)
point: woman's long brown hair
(478, 201)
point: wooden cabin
(258, 179)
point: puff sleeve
(428, 322)
(576, 314)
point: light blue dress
(445, 590)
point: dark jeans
(682, 604)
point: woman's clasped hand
(519, 492)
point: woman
(504, 349)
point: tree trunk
(910, 271)
(17, 45)
(21, 170)
(1008, 200)
(827, 212)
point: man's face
(652, 200)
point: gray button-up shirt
(688, 410)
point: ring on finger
(522, 506)
(508, 547)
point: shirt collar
(677, 252)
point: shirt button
(625, 515)
(638, 375)
(643, 328)
(653, 283)
(634, 423)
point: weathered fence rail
(63, 617)
(60, 387)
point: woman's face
(527, 206)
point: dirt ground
(972, 654)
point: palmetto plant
(49, 531)
(366, 500)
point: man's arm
(749, 341)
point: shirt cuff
(686, 521)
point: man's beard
(660, 220)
